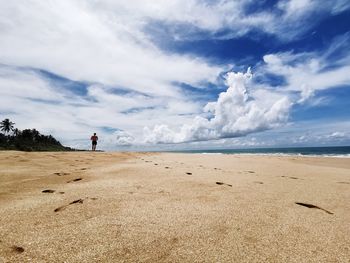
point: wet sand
(150, 207)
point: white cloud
(336, 135)
(298, 16)
(287, 20)
(118, 138)
(25, 84)
(236, 113)
(74, 40)
(33, 101)
(321, 138)
(307, 73)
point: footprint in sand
(258, 182)
(221, 183)
(290, 177)
(155, 164)
(48, 191)
(75, 180)
(343, 182)
(314, 206)
(251, 172)
(189, 173)
(83, 169)
(60, 174)
(78, 201)
(167, 167)
(17, 249)
(163, 192)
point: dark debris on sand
(78, 201)
(61, 174)
(48, 191)
(75, 180)
(314, 206)
(221, 183)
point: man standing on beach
(94, 139)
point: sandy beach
(168, 207)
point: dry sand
(149, 207)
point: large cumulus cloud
(237, 112)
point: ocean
(337, 151)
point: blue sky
(178, 74)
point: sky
(178, 74)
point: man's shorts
(94, 142)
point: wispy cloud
(287, 20)
(81, 42)
(307, 73)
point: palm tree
(6, 126)
(16, 132)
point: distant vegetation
(12, 138)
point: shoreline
(239, 152)
(269, 154)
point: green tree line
(12, 138)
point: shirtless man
(94, 139)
